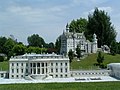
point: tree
(71, 55)
(58, 44)
(50, 45)
(36, 50)
(118, 47)
(19, 49)
(78, 26)
(2, 42)
(9, 44)
(100, 24)
(36, 41)
(78, 51)
(113, 48)
(100, 58)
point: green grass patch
(64, 86)
(4, 65)
(88, 62)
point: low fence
(82, 73)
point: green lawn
(4, 65)
(64, 86)
(88, 63)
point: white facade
(115, 69)
(70, 40)
(38, 66)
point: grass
(64, 86)
(4, 65)
(88, 62)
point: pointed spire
(67, 28)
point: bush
(1, 58)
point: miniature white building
(70, 40)
(39, 66)
(115, 69)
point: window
(52, 70)
(31, 70)
(21, 75)
(61, 70)
(26, 70)
(42, 64)
(22, 70)
(65, 75)
(17, 76)
(46, 70)
(42, 70)
(61, 76)
(46, 64)
(12, 70)
(66, 70)
(38, 70)
(17, 70)
(56, 64)
(61, 64)
(2, 75)
(38, 64)
(51, 64)
(65, 64)
(12, 75)
(12, 64)
(17, 64)
(56, 76)
(56, 70)
(21, 64)
(34, 64)
(34, 71)
(30, 64)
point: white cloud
(88, 2)
(106, 9)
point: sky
(48, 18)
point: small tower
(94, 44)
(67, 28)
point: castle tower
(67, 28)
(94, 45)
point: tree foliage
(113, 48)
(36, 41)
(36, 50)
(100, 24)
(19, 49)
(71, 55)
(78, 25)
(78, 51)
(100, 58)
(58, 44)
(2, 42)
(9, 44)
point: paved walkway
(60, 80)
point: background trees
(36, 41)
(79, 25)
(78, 52)
(58, 44)
(100, 24)
(19, 49)
(71, 55)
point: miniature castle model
(70, 40)
(39, 66)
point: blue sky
(48, 18)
